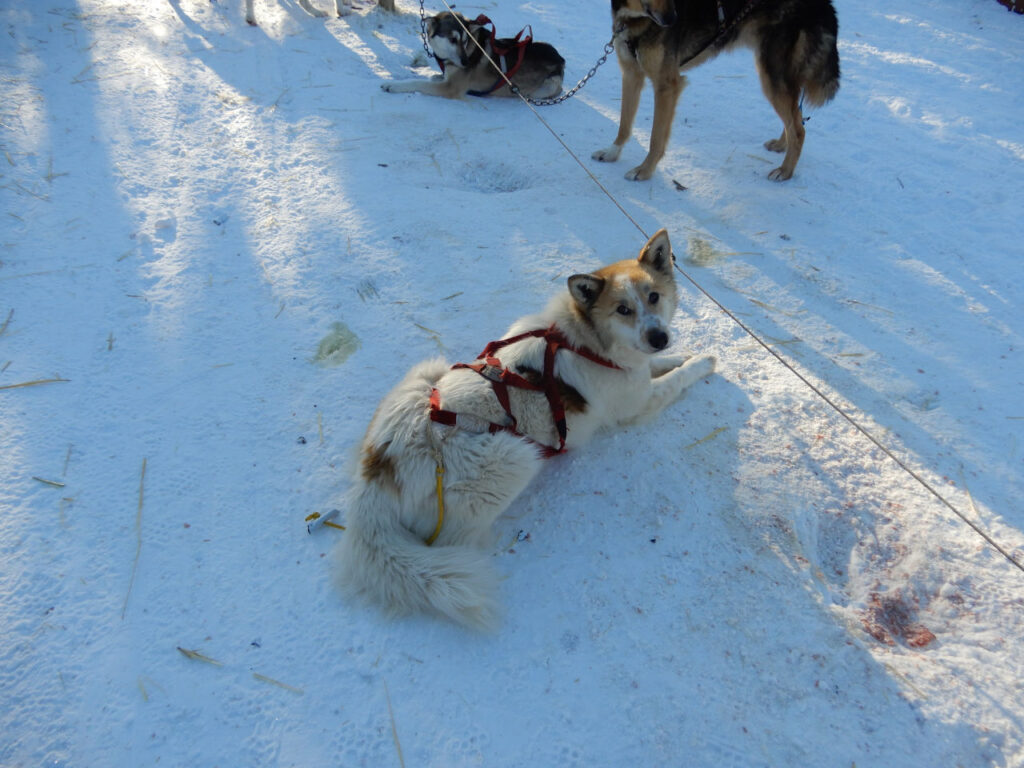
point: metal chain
(423, 32)
(609, 47)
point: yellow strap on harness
(316, 520)
(440, 505)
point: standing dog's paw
(608, 154)
(389, 87)
(640, 173)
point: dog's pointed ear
(585, 289)
(657, 254)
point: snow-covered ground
(189, 206)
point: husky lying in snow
(535, 68)
(472, 436)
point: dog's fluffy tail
(822, 81)
(820, 58)
(389, 565)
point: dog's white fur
(393, 507)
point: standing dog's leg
(786, 103)
(792, 139)
(632, 84)
(667, 89)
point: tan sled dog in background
(794, 44)
(471, 437)
(341, 8)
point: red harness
(502, 378)
(501, 54)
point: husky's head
(631, 303)
(448, 39)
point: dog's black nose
(657, 338)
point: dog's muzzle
(657, 338)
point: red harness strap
(502, 378)
(509, 66)
(501, 54)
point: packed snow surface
(221, 244)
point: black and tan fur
(468, 71)
(794, 43)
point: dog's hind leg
(484, 474)
(551, 87)
(787, 106)
(632, 84)
(782, 89)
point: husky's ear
(585, 289)
(432, 24)
(658, 253)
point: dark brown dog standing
(794, 44)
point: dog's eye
(653, 298)
(622, 309)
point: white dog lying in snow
(450, 447)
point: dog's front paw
(781, 173)
(701, 367)
(662, 364)
(608, 154)
(640, 173)
(775, 145)
(401, 86)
